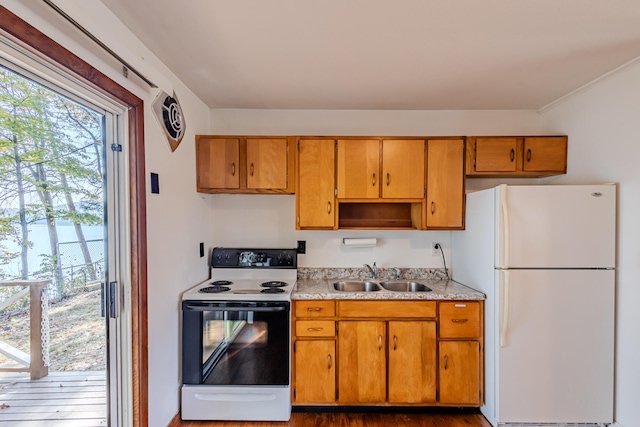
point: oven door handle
(197, 307)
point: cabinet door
(459, 369)
(358, 169)
(315, 375)
(545, 154)
(315, 196)
(403, 169)
(362, 365)
(218, 163)
(496, 155)
(412, 362)
(267, 164)
(445, 183)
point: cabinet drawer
(315, 309)
(315, 328)
(459, 319)
(387, 309)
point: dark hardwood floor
(341, 419)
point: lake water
(39, 235)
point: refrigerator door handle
(504, 329)
(506, 227)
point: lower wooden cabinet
(362, 361)
(315, 380)
(389, 353)
(412, 362)
(459, 372)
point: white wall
(603, 124)
(270, 220)
(178, 218)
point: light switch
(155, 185)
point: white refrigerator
(544, 255)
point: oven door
(235, 343)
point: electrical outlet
(435, 251)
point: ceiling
(384, 54)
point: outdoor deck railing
(37, 362)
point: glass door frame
(35, 40)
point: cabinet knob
(233, 169)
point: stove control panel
(254, 258)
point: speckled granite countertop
(316, 284)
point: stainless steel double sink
(375, 286)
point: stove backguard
(254, 258)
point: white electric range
(236, 358)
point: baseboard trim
(175, 421)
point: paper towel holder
(360, 242)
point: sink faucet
(373, 270)
(396, 273)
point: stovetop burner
(272, 291)
(274, 284)
(215, 289)
(222, 282)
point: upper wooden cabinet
(445, 184)
(533, 156)
(403, 171)
(315, 199)
(387, 168)
(244, 164)
(267, 163)
(217, 163)
(358, 168)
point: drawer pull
(459, 320)
(233, 169)
(513, 155)
(388, 180)
(373, 180)
(315, 329)
(529, 155)
(446, 361)
(251, 168)
(328, 361)
(395, 342)
(379, 342)
(328, 207)
(314, 309)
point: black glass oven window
(245, 347)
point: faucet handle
(396, 273)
